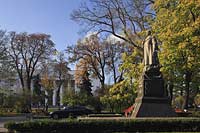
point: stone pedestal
(152, 100)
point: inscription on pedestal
(154, 88)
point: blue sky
(41, 16)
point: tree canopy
(121, 18)
(177, 26)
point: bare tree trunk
(58, 95)
(188, 76)
(29, 96)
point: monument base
(153, 107)
(152, 99)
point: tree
(177, 26)
(26, 51)
(61, 72)
(114, 54)
(47, 81)
(73, 98)
(133, 68)
(38, 94)
(83, 82)
(37, 84)
(82, 77)
(85, 85)
(126, 20)
(6, 66)
(92, 52)
(81, 68)
(122, 18)
(3, 42)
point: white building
(13, 84)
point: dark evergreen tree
(37, 85)
(38, 94)
(86, 85)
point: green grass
(52, 109)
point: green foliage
(22, 103)
(122, 94)
(177, 26)
(106, 125)
(133, 67)
(179, 34)
(195, 114)
(72, 98)
(6, 98)
(11, 102)
(119, 97)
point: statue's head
(148, 33)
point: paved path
(3, 120)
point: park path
(3, 120)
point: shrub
(179, 102)
(108, 125)
(195, 114)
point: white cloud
(88, 35)
(113, 39)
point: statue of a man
(150, 51)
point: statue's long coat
(150, 45)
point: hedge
(105, 115)
(107, 125)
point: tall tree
(114, 51)
(81, 68)
(92, 51)
(26, 51)
(47, 81)
(61, 72)
(85, 84)
(38, 94)
(122, 18)
(125, 19)
(177, 25)
(3, 42)
(6, 66)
